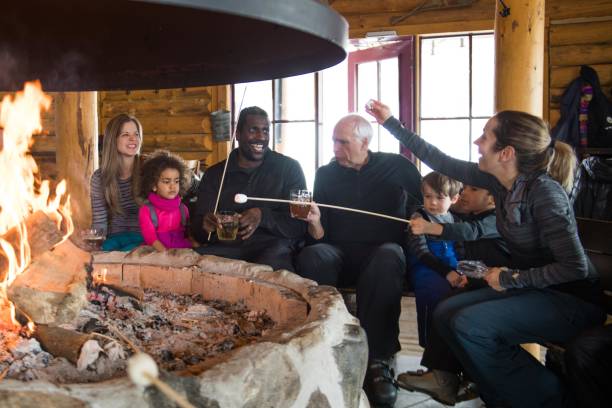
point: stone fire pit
(315, 356)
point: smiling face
(168, 184)
(253, 140)
(129, 139)
(489, 157)
(436, 203)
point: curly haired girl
(163, 218)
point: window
(456, 92)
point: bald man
(351, 249)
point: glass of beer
(228, 225)
(93, 238)
(300, 210)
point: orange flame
(20, 117)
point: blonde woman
(549, 293)
(113, 204)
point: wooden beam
(76, 126)
(581, 54)
(519, 57)
(429, 28)
(562, 9)
(593, 32)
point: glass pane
(445, 77)
(298, 98)
(298, 142)
(256, 94)
(387, 143)
(483, 72)
(450, 136)
(333, 106)
(367, 84)
(389, 85)
(477, 129)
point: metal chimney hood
(80, 45)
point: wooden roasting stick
(242, 198)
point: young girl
(163, 218)
(114, 209)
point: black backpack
(599, 125)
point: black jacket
(592, 190)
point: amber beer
(93, 238)
(228, 225)
(300, 210)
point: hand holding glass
(300, 210)
(93, 238)
(227, 227)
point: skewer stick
(227, 161)
(242, 198)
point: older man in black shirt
(267, 233)
(362, 251)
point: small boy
(433, 273)
(475, 238)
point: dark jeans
(429, 289)
(377, 272)
(261, 249)
(485, 328)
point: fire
(20, 118)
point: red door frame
(405, 51)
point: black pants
(261, 249)
(377, 272)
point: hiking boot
(440, 385)
(379, 384)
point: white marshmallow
(240, 198)
(138, 366)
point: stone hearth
(314, 357)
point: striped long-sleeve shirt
(534, 217)
(102, 218)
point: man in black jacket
(267, 234)
(366, 252)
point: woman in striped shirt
(113, 204)
(548, 293)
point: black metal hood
(79, 45)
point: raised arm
(461, 170)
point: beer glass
(300, 210)
(228, 225)
(93, 238)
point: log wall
(578, 33)
(173, 119)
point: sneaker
(440, 385)
(379, 384)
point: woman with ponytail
(548, 293)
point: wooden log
(519, 58)
(427, 28)
(562, 9)
(170, 107)
(573, 34)
(61, 342)
(581, 54)
(76, 115)
(43, 234)
(174, 93)
(183, 142)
